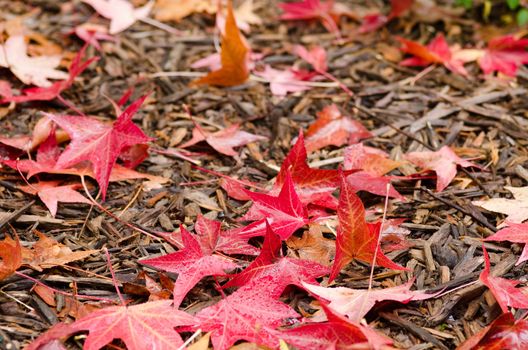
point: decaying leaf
(516, 209)
(10, 256)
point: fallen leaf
(312, 185)
(10, 256)
(282, 81)
(223, 141)
(504, 54)
(371, 160)
(356, 303)
(145, 326)
(443, 162)
(323, 11)
(234, 55)
(121, 13)
(336, 333)
(355, 239)
(332, 128)
(503, 333)
(503, 289)
(516, 209)
(49, 93)
(363, 181)
(30, 70)
(312, 246)
(375, 21)
(285, 212)
(170, 10)
(99, 143)
(191, 264)
(316, 56)
(92, 33)
(436, 52)
(47, 253)
(50, 193)
(517, 233)
(250, 314)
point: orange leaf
(10, 257)
(234, 52)
(48, 252)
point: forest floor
(405, 109)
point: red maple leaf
(443, 162)
(517, 233)
(363, 181)
(270, 266)
(436, 52)
(356, 303)
(503, 289)
(322, 11)
(374, 21)
(355, 239)
(212, 239)
(336, 333)
(250, 314)
(503, 333)
(371, 160)
(99, 143)
(285, 212)
(144, 326)
(191, 264)
(334, 128)
(49, 93)
(504, 54)
(312, 185)
(51, 194)
(223, 141)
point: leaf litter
(286, 212)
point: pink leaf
(517, 233)
(503, 289)
(121, 13)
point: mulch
(405, 111)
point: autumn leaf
(436, 52)
(191, 264)
(371, 160)
(250, 314)
(323, 11)
(92, 33)
(517, 233)
(10, 256)
(30, 70)
(443, 162)
(277, 271)
(503, 333)
(50, 193)
(332, 128)
(312, 185)
(285, 212)
(145, 326)
(335, 333)
(312, 246)
(48, 253)
(375, 21)
(121, 13)
(356, 303)
(503, 289)
(49, 93)
(223, 141)
(516, 209)
(363, 181)
(234, 54)
(316, 56)
(170, 10)
(99, 143)
(282, 81)
(355, 239)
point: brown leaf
(312, 246)
(234, 52)
(48, 252)
(10, 256)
